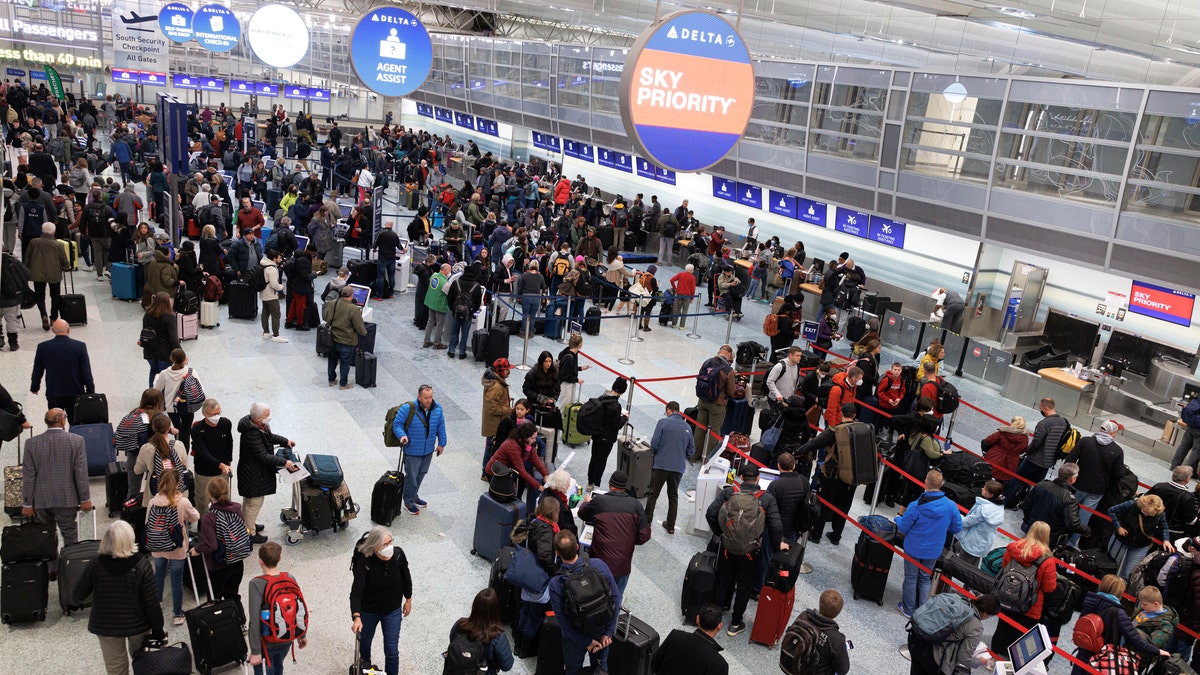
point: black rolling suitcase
(366, 367)
(509, 595)
(633, 644)
(215, 628)
(72, 307)
(24, 591)
(665, 312)
(316, 508)
(243, 302)
(134, 513)
(869, 569)
(497, 344)
(479, 344)
(387, 497)
(951, 566)
(699, 585)
(591, 321)
(324, 340)
(637, 461)
(785, 567)
(116, 487)
(366, 343)
(550, 656)
(73, 561)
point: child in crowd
(1155, 621)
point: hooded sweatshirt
(926, 522)
(979, 526)
(168, 381)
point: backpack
(587, 599)
(233, 541)
(708, 381)
(286, 611)
(463, 309)
(771, 325)
(1191, 412)
(163, 531)
(947, 397)
(465, 656)
(95, 216)
(583, 285)
(258, 278)
(801, 648)
(192, 393)
(590, 420)
(742, 521)
(1068, 441)
(390, 439)
(213, 290)
(35, 216)
(14, 277)
(824, 390)
(560, 266)
(939, 616)
(1017, 585)
(1089, 631)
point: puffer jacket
(497, 402)
(162, 276)
(1101, 463)
(1104, 604)
(271, 275)
(979, 526)
(926, 523)
(257, 462)
(1047, 574)
(426, 432)
(300, 275)
(1046, 436)
(541, 385)
(791, 491)
(1003, 450)
(538, 536)
(125, 596)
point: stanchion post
(527, 322)
(628, 345)
(729, 323)
(950, 429)
(633, 328)
(878, 486)
(695, 334)
(805, 567)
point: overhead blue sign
(425, 110)
(664, 175)
(724, 188)
(266, 89)
(14, 72)
(645, 169)
(569, 149)
(585, 152)
(539, 139)
(812, 212)
(443, 115)
(212, 84)
(241, 87)
(464, 120)
(316, 94)
(37, 74)
(781, 204)
(851, 222)
(390, 51)
(123, 76)
(292, 91)
(185, 82)
(175, 20)
(749, 195)
(886, 231)
(151, 79)
(622, 162)
(604, 157)
(216, 28)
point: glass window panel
(1164, 176)
(1088, 122)
(775, 135)
(849, 118)
(944, 138)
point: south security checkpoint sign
(687, 90)
(391, 51)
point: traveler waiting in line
(955, 652)
(1178, 501)
(483, 627)
(346, 325)
(268, 658)
(1188, 451)
(1041, 455)
(979, 525)
(925, 523)
(171, 381)
(594, 636)
(212, 446)
(569, 370)
(1053, 502)
(716, 383)
(1101, 464)
(518, 453)
(222, 543)
(380, 595)
(620, 526)
(672, 444)
(55, 477)
(695, 653)
(1033, 550)
(1138, 523)
(537, 535)
(46, 260)
(160, 334)
(127, 607)
(1004, 447)
(258, 464)
(613, 421)
(1105, 602)
(168, 504)
(159, 455)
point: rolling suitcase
(24, 591)
(497, 344)
(14, 498)
(215, 628)
(335, 254)
(71, 248)
(243, 302)
(856, 459)
(773, 615)
(324, 340)
(116, 488)
(633, 643)
(869, 569)
(479, 344)
(366, 343)
(508, 594)
(312, 316)
(591, 321)
(699, 585)
(366, 367)
(126, 281)
(91, 409)
(550, 656)
(28, 542)
(966, 469)
(134, 513)
(785, 567)
(73, 561)
(961, 494)
(98, 439)
(571, 435)
(316, 508)
(72, 307)
(552, 325)
(493, 525)
(210, 314)
(636, 460)
(187, 326)
(387, 497)
(324, 471)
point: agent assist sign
(391, 51)
(687, 90)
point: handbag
(770, 437)
(147, 339)
(525, 573)
(502, 484)
(10, 424)
(173, 659)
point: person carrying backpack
(224, 541)
(925, 523)
(478, 643)
(585, 598)
(742, 515)
(1103, 622)
(381, 593)
(279, 614)
(945, 632)
(715, 385)
(166, 537)
(1027, 573)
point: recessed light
(1013, 12)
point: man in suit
(68, 370)
(55, 477)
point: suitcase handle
(95, 532)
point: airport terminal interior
(1038, 159)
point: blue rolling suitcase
(98, 438)
(324, 470)
(126, 281)
(493, 525)
(553, 323)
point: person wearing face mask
(258, 464)
(212, 446)
(845, 385)
(381, 593)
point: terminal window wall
(950, 138)
(448, 68)
(781, 105)
(847, 112)
(1069, 141)
(1164, 176)
(535, 78)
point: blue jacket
(66, 365)
(426, 428)
(499, 652)
(672, 444)
(926, 522)
(556, 601)
(979, 527)
(122, 152)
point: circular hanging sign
(175, 20)
(216, 28)
(278, 36)
(687, 90)
(391, 51)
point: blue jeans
(415, 469)
(530, 307)
(916, 584)
(573, 655)
(752, 292)
(622, 582)
(278, 654)
(1090, 500)
(576, 309)
(460, 335)
(156, 367)
(387, 273)
(161, 565)
(391, 638)
(1028, 470)
(344, 354)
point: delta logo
(701, 36)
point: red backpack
(284, 613)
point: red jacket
(514, 457)
(562, 191)
(890, 391)
(249, 220)
(929, 389)
(839, 394)
(1003, 450)
(684, 284)
(1047, 575)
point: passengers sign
(687, 90)
(391, 51)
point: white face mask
(387, 551)
(212, 419)
(266, 420)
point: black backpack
(947, 397)
(1017, 585)
(258, 278)
(590, 420)
(463, 302)
(587, 599)
(465, 656)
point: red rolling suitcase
(773, 615)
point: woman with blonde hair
(1031, 551)
(1138, 522)
(932, 359)
(1003, 449)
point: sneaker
(462, 357)
(259, 527)
(266, 336)
(421, 503)
(258, 539)
(426, 345)
(450, 354)
(736, 629)
(900, 608)
(279, 338)
(439, 346)
(178, 621)
(289, 324)
(332, 382)
(412, 510)
(346, 386)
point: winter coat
(979, 526)
(839, 394)
(926, 523)
(693, 653)
(1139, 528)
(541, 385)
(162, 277)
(620, 525)
(189, 271)
(124, 595)
(1180, 503)
(511, 454)
(791, 492)
(257, 462)
(1047, 575)
(1103, 604)
(426, 432)
(1157, 629)
(271, 274)
(300, 275)
(835, 659)
(1101, 463)
(1048, 433)
(46, 259)
(211, 255)
(538, 536)
(243, 255)
(497, 402)
(166, 328)
(1003, 450)
(1053, 502)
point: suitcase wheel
(294, 537)
(473, 552)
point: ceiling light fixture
(955, 93)
(1013, 12)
